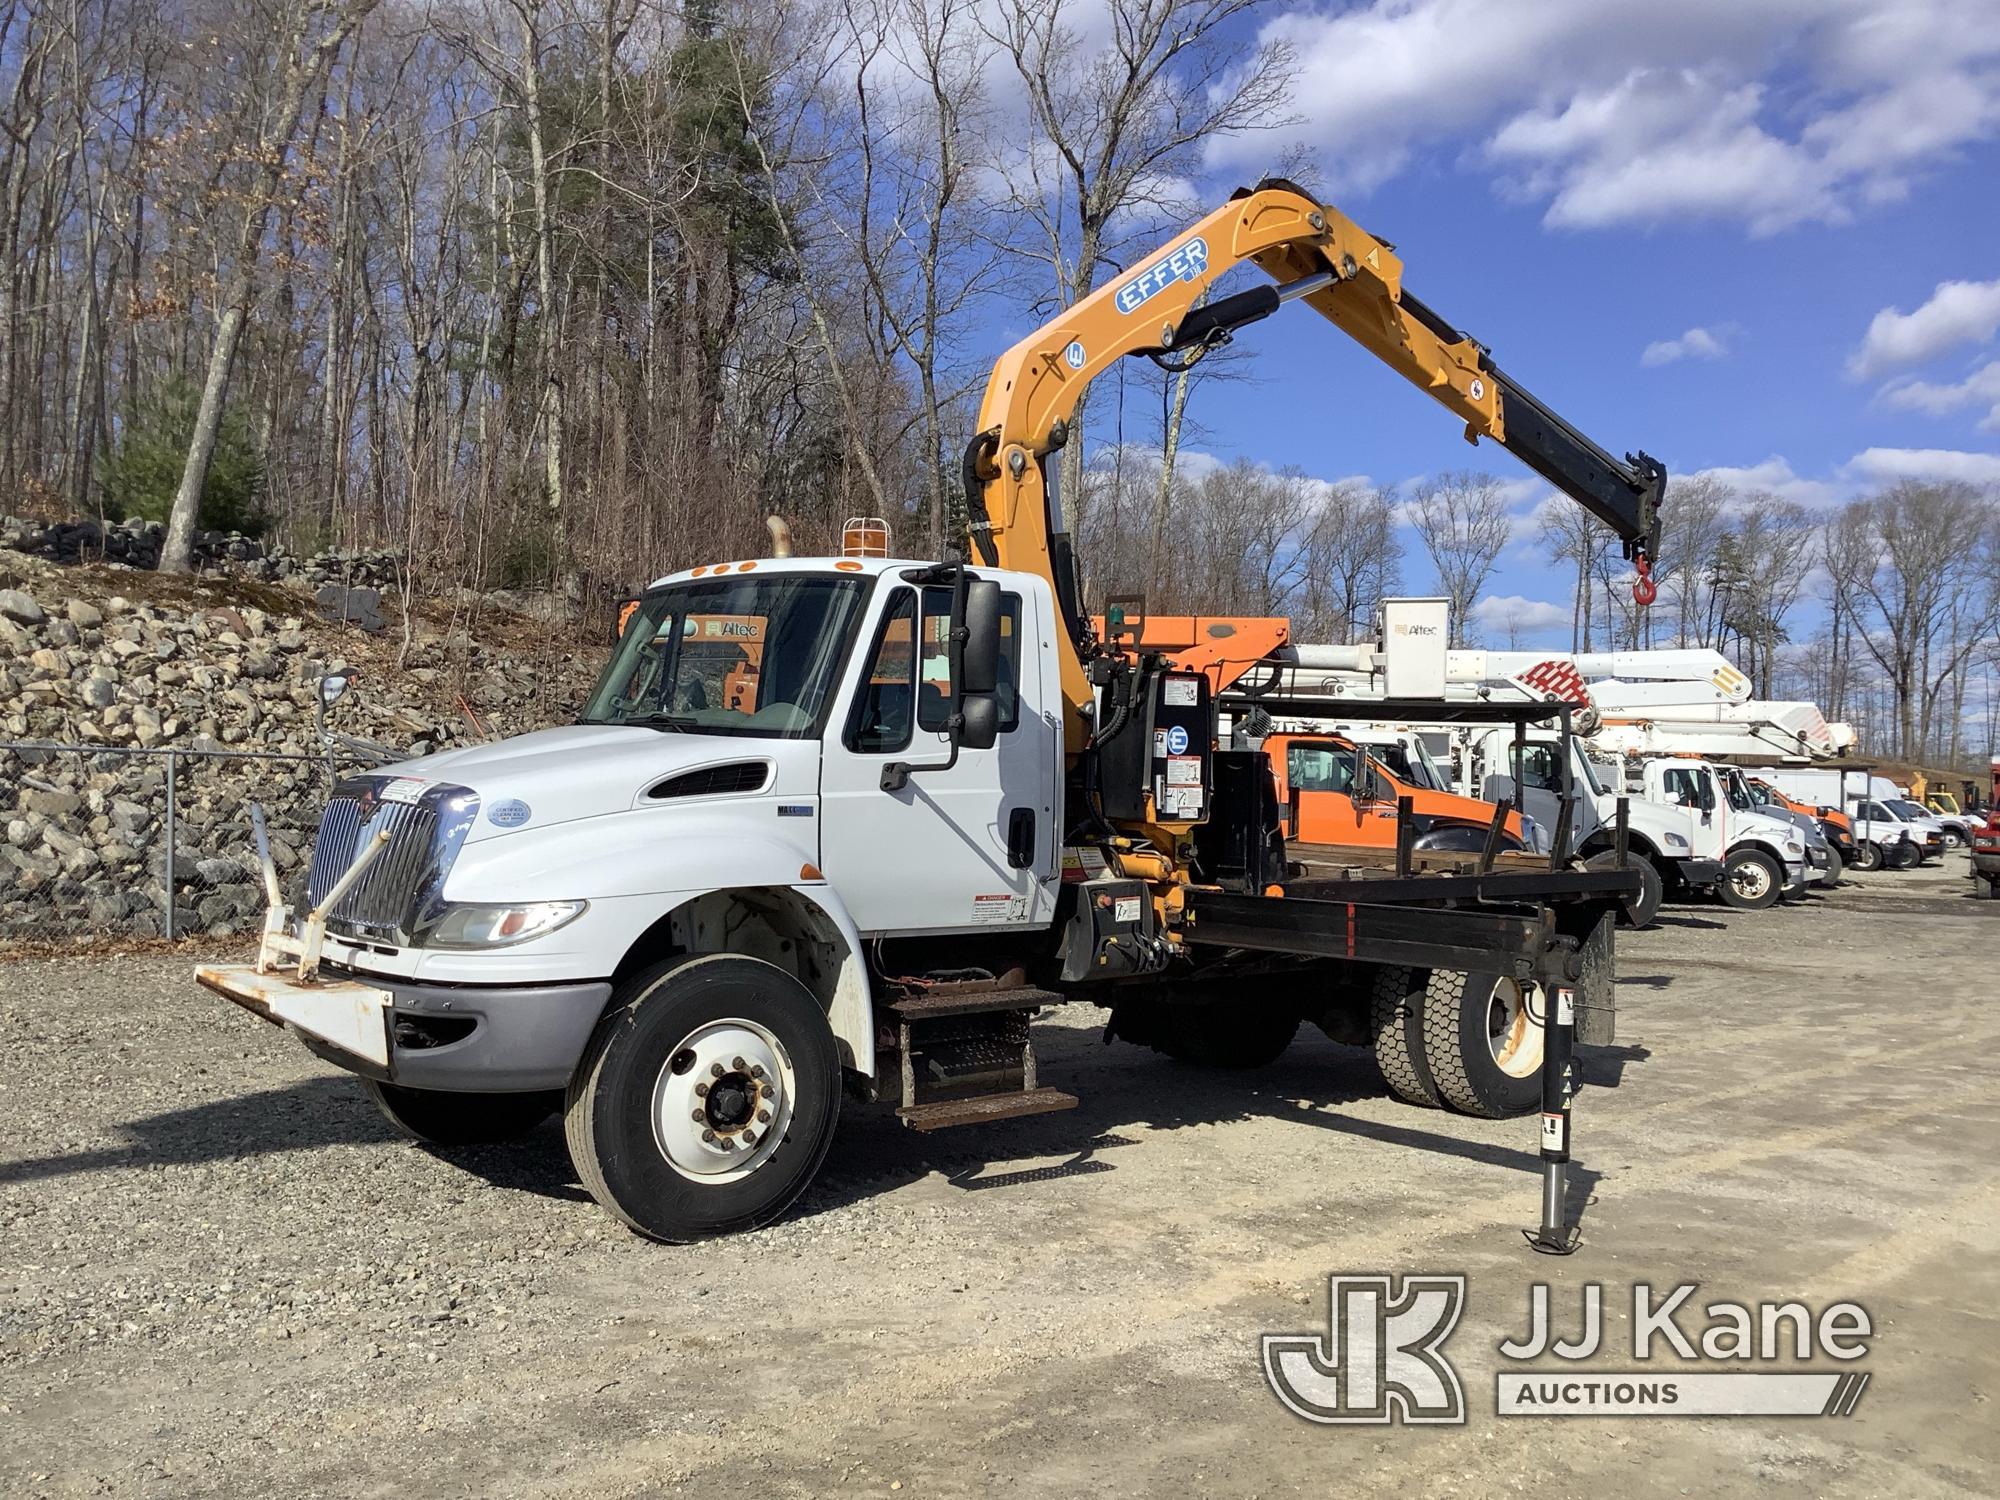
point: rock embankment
(119, 680)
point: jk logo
(1381, 1360)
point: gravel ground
(224, 1276)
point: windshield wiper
(659, 721)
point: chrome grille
(384, 901)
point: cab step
(983, 1109)
(955, 1000)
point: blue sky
(1806, 185)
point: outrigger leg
(1556, 1236)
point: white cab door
(971, 848)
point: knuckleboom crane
(1315, 254)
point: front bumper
(457, 1038)
(1702, 873)
(1797, 876)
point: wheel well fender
(801, 929)
(1460, 837)
(1602, 841)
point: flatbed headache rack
(1550, 927)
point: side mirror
(334, 684)
(980, 723)
(980, 662)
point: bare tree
(1119, 124)
(1350, 559)
(1462, 520)
(1931, 598)
(316, 35)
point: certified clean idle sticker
(509, 814)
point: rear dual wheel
(1472, 1042)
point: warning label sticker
(1082, 862)
(1159, 743)
(1183, 770)
(1552, 1132)
(404, 789)
(1004, 906)
(1125, 910)
(1178, 692)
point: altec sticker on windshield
(1182, 263)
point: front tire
(1483, 1043)
(1642, 908)
(1751, 880)
(440, 1118)
(739, 1043)
(1868, 857)
(1834, 868)
(1905, 856)
(1953, 839)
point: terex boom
(931, 801)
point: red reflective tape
(1350, 929)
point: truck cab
(1763, 857)
(1347, 798)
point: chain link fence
(102, 843)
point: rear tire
(1483, 1043)
(440, 1118)
(1231, 1036)
(1396, 1013)
(1751, 880)
(739, 1042)
(1868, 857)
(1641, 909)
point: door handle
(1021, 838)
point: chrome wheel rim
(1750, 880)
(723, 1101)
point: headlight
(1675, 841)
(479, 925)
(1793, 846)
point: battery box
(1111, 933)
(1159, 766)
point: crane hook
(1644, 590)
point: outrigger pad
(1597, 991)
(1560, 1241)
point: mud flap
(1597, 991)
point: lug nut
(715, 1070)
(758, 1071)
(708, 1136)
(749, 1137)
(701, 1091)
(728, 1144)
(739, 1065)
(697, 1116)
(763, 1117)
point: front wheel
(440, 1118)
(1751, 880)
(1640, 910)
(1238, 1036)
(706, 1099)
(1868, 857)
(1953, 839)
(1834, 868)
(1905, 856)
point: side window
(883, 709)
(1319, 768)
(1680, 786)
(1538, 767)
(934, 662)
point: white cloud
(1696, 343)
(1514, 612)
(1771, 113)
(1772, 476)
(1980, 388)
(1886, 465)
(1958, 312)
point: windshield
(736, 655)
(1945, 802)
(1909, 809)
(1409, 761)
